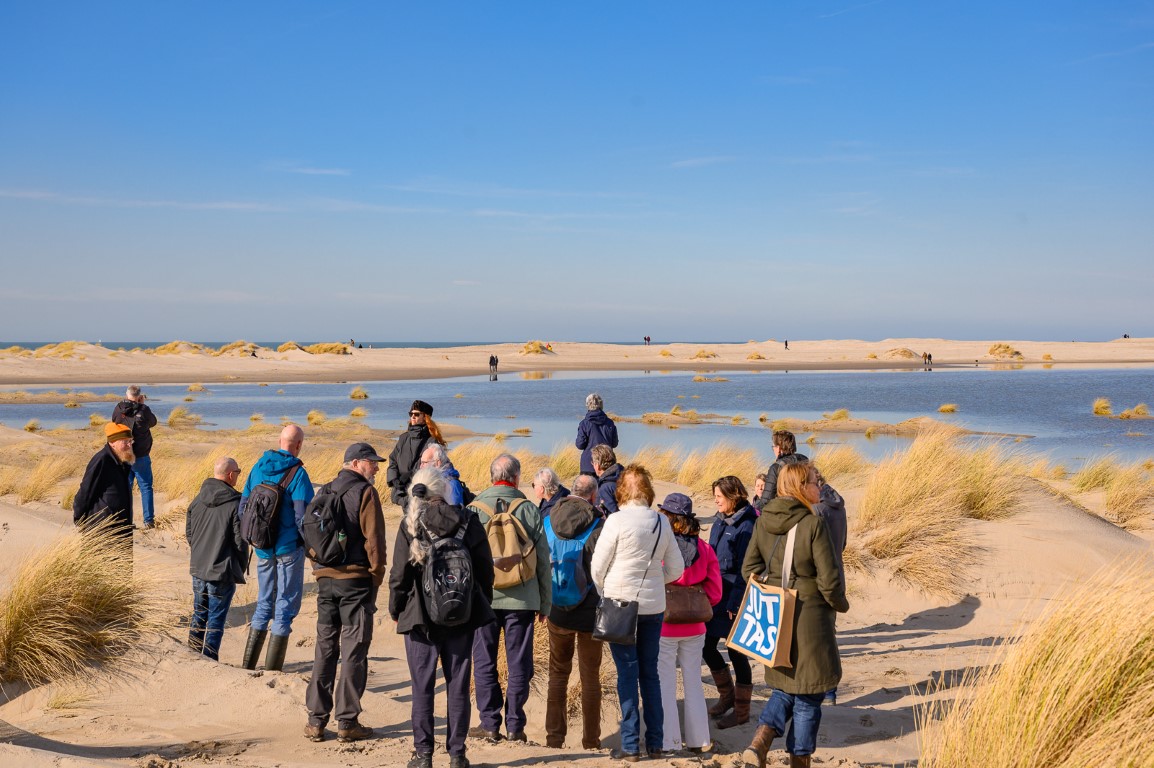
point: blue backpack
(571, 584)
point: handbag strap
(648, 565)
(787, 558)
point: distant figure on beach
(594, 430)
(929, 359)
(647, 341)
(924, 356)
(280, 570)
(493, 361)
(217, 555)
(406, 456)
(785, 449)
(133, 413)
(787, 345)
(608, 472)
(105, 494)
(347, 600)
(1125, 335)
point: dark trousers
(561, 646)
(345, 609)
(712, 656)
(453, 647)
(518, 627)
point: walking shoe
(661, 754)
(458, 761)
(518, 736)
(315, 732)
(354, 732)
(629, 757)
(420, 761)
(479, 732)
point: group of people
(472, 571)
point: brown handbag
(686, 604)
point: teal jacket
(536, 594)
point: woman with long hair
(635, 558)
(405, 458)
(794, 706)
(429, 519)
(681, 642)
(729, 536)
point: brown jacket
(820, 593)
(370, 536)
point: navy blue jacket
(607, 490)
(595, 429)
(729, 539)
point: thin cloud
(702, 162)
(1115, 54)
(114, 202)
(851, 9)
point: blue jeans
(802, 711)
(210, 603)
(637, 668)
(142, 475)
(280, 584)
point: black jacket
(607, 489)
(405, 460)
(105, 493)
(771, 477)
(212, 527)
(570, 518)
(141, 419)
(406, 603)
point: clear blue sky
(576, 171)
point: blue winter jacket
(595, 429)
(729, 538)
(271, 468)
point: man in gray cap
(347, 600)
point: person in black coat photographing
(405, 458)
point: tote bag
(763, 627)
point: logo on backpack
(447, 578)
(323, 528)
(260, 524)
(571, 583)
(514, 553)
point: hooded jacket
(636, 557)
(730, 537)
(212, 527)
(607, 489)
(820, 593)
(406, 600)
(105, 493)
(404, 460)
(831, 509)
(771, 474)
(140, 418)
(548, 504)
(570, 518)
(595, 429)
(270, 468)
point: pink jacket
(706, 572)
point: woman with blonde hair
(635, 558)
(794, 706)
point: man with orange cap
(105, 494)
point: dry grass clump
(1047, 356)
(1096, 474)
(197, 388)
(73, 604)
(900, 353)
(176, 348)
(66, 350)
(536, 347)
(96, 420)
(256, 417)
(755, 356)
(36, 484)
(841, 414)
(1076, 690)
(241, 348)
(1140, 411)
(665, 353)
(1128, 497)
(316, 417)
(181, 417)
(1102, 407)
(872, 356)
(328, 348)
(948, 408)
(839, 461)
(358, 393)
(703, 354)
(712, 379)
(1044, 469)
(358, 413)
(739, 421)
(33, 425)
(289, 346)
(1002, 350)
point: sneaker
(354, 732)
(661, 754)
(629, 757)
(315, 732)
(518, 736)
(479, 732)
(147, 526)
(420, 761)
(458, 761)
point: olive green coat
(820, 593)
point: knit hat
(114, 432)
(422, 406)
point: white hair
(548, 480)
(435, 486)
(593, 402)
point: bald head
(292, 438)
(227, 470)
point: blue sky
(576, 171)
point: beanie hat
(422, 406)
(114, 432)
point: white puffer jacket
(626, 566)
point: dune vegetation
(948, 408)
(1004, 351)
(181, 417)
(1102, 407)
(535, 348)
(358, 393)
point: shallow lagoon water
(1051, 406)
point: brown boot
(763, 737)
(724, 682)
(740, 713)
(799, 761)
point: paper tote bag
(763, 627)
(616, 621)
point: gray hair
(585, 486)
(505, 468)
(548, 480)
(437, 454)
(435, 483)
(603, 456)
(132, 392)
(593, 402)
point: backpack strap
(287, 478)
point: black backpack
(260, 524)
(447, 578)
(323, 528)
